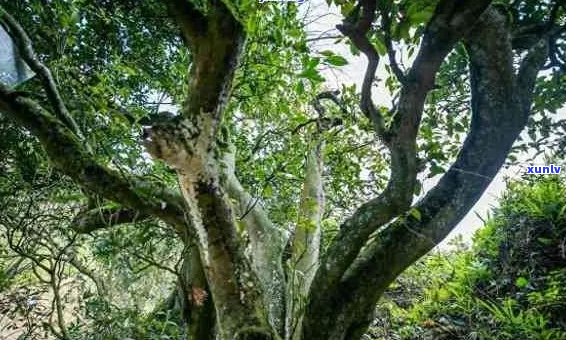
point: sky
(322, 21)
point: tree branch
(499, 115)
(332, 96)
(266, 240)
(356, 29)
(445, 28)
(527, 34)
(451, 21)
(386, 20)
(187, 144)
(83, 269)
(25, 47)
(200, 314)
(554, 12)
(529, 69)
(68, 155)
(306, 240)
(192, 22)
(104, 217)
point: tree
(242, 277)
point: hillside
(510, 284)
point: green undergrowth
(509, 284)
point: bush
(510, 284)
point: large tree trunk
(188, 144)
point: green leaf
(418, 188)
(380, 46)
(311, 74)
(327, 53)
(416, 214)
(411, 51)
(402, 31)
(521, 282)
(418, 14)
(252, 25)
(336, 60)
(545, 241)
(347, 7)
(354, 50)
(312, 63)
(435, 170)
(300, 88)
(421, 17)
(268, 191)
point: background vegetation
(510, 284)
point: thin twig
(356, 27)
(386, 20)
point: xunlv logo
(551, 169)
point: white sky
(322, 21)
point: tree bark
(188, 144)
(195, 299)
(267, 242)
(305, 247)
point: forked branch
(498, 116)
(356, 27)
(450, 22)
